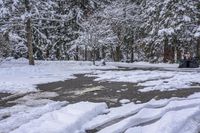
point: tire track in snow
(108, 120)
(145, 116)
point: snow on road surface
(36, 113)
(151, 80)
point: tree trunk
(179, 54)
(198, 49)
(112, 53)
(94, 56)
(165, 59)
(29, 42)
(97, 54)
(118, 53)
(175, 54)
(86, 53)
(7, 46)
(103, 52)
(29, 35)
(58, 53)
(132, 54)
(76, 56)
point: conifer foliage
(148, 30)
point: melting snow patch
(32, 99)
(86, 90)
(151, 80)
(138, 102)
(124, 101)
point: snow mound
(68, 119)
(169, 116)
(124, 101)
(13, 117)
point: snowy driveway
(142, 100)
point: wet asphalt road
(76, 90)
(84, 88)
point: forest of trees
(115, 30)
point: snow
(168, 31)
(163, 114)
(152, 80)
(18, 77)
(146, 65)
(185, 124)
(186, 18)
(197, 34)
(15, 72)
(124, 101)
(34, 112)
(69, 118)
(21, 114)
(86, 90)
(56, 117)
(33, 99)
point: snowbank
(68, 119)
(168, 116)
(21, 114)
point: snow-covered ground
(36, 113)
(16, 76)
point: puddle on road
(86, 89)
